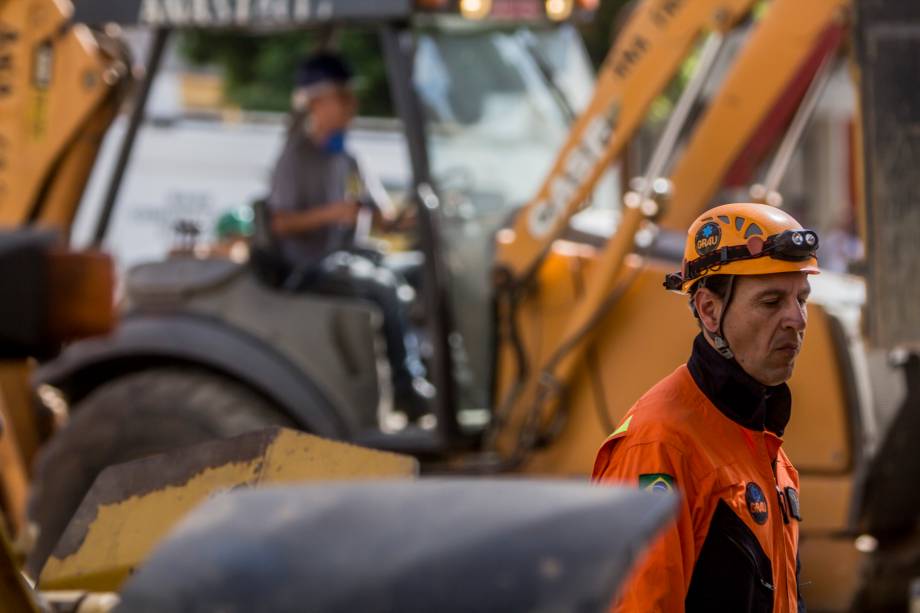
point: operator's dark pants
(352, 275)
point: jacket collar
(736, 394)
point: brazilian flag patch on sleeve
(656, 482)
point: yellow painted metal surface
(57, 79)
(15, 595)
(561, 354)
(818, 435)
(19, 411)
(18, 441)
(132, 506)
(826, 503)
(59, 207)
(645, 336)
(830, 571)
(644, 58)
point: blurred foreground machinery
(435, 545)
(541, 330)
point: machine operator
(316, 195)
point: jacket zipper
(752, 560)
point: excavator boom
(782, 47)
(644, 59)
(764, 86)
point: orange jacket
(735, 543)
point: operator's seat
(268, 263)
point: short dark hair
(323, 67)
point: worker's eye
(770, 302)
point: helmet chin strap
(718, 337)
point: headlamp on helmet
(794, 245)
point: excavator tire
(140, 414)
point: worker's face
(334, 109)
(765, 323)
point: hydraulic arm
(761, 82)
(759, 94)
(644, 59)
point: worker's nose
(795, 315)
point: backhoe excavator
(541, 340)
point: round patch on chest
(756, 502)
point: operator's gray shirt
(306, 177)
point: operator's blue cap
(322, 68)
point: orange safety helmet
(744, 239)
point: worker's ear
(708, 307)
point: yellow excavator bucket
(132, 506)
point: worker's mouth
(787, 349)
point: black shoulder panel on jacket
(732, 572)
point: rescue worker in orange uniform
(712, 429)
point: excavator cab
(474, 86)
(472, 90)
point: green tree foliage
(259, 69)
